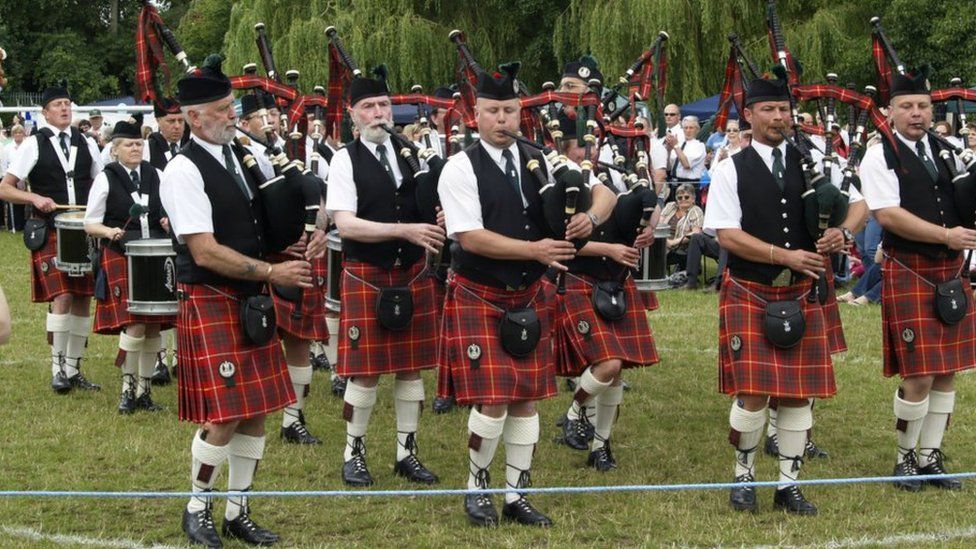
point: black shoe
(625, 385)
(522, 512)
(771, 448)
(354, 471)
(411, 469)
(160, 375)
(602, 459)
(60, 384)
(480, 510)
(908, 469)
(571, 384)
(791, 499)
(78, 381)
(297, 433)
(246, 530)
(937, 467)
(145, 402)
(577, 433)
(199, 527)
(127, 402)
(444, 405)
(338, 386)
(743, 498)
(320, 363)
(813, 451)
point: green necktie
(779, 170)
(232, 168)
(926, 161)
(381, 150)
(511, 172)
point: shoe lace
(936, 459)
(742, 456)
(300, 428)
(410, 444)
(794, 492)
(909, 460)
(482, 479)
(205, 518)
(795, 467)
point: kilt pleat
(908, 313)
(223, 377)
(835, 329)
(583, 337)
(47, 282)
(307, 323)
(749, 364)
(366, 348)
(470, 327)
(112, 314)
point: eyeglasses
(670, 114)
(684, 197)
(731, 131)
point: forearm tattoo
(250, 269)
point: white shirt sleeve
(98, 163)
(182, 194)
(145, 150)
(342, 189)
(26, 158)
(458, 190)
(724, 210)
(97, 196)
(695, 153)
(878, 184)
(659, 156)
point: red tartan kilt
(309, 325)
(376, 350)
(760, 368)
(209, 334)
(112, 314)
(835, 328)
(908, 311)
(628, 339)
(649, 299)
(47, 282)
(444, 389)
(499, 378)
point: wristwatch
(848, 235)
(593, 219)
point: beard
(373, 134)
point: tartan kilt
(376, 350)
(760, 368)
(112, 314)
(908, 311)
(649, 299)
(309, 324)
(835, 328)
(444, 388)
(499, 378)
(209, 335)
(47, 282)
(583, 337)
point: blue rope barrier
(464, 492)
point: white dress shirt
(27, 154)
(880, 185)
(342, 188)
(98, 195)
(695, 152)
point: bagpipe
(152, 35)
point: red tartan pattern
(209, 334)
(444, 389)
(758, 367)
(47, 282)
(882, 69)
(149, 55)
(112, 314)
(309, 325)
(906, 304)
(649, 298)
(835, 328)
(499, 378)
(628, 339)
(732, 90)
(366, 348)
(850, 97)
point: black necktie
(381, 150)
(779, 170)
(232, 168)
(511, 172)
(64, 144)
(926, 161)
(134, 174)
(172, 149)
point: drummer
(60, 163)
(124, 206)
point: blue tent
(705, 108)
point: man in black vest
(755, 206)
(387, 324)
(494, 210)
(60, 164)
(909, 188)
(228, 380)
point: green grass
(672, 429)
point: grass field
(672, 429)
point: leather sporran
(520, 331)
(783, 323)
(394, 307)
(258, 319)
(951, 302)
(609, 300)
(35, 234)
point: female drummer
(123, 206)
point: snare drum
(654, 261)
(334, 244)
(74, 246)
(152, 277)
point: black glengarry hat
(913, 82)
(500, 85)
(762, 89)
(54, 92)
(364, 88)
(586, 68)
(207, 83)
(165, 106)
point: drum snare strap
(68, 164)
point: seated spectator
(685, 219)
(704, 243)
(868, 287)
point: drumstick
(70, 207)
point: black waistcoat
(237, 223)
(119, 200)
(601, 267)
(502, 212)
(47, 178)
(771, 215)
(158, 147)
(931, 201)
(379, 200)
(325, 152)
